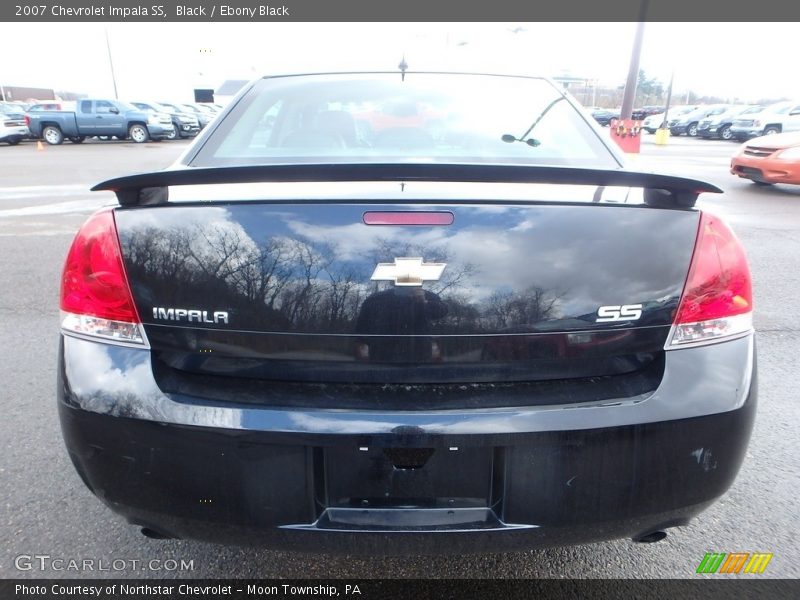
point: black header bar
(231, 11)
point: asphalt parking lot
(46, 510)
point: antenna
(403, 66)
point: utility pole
(633, 70)
(669, 99)
(111, 63)
(662, 134)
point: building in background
(15, 93)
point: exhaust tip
(155, 535)
(651, 538)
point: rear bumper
(745, 133)
(13, 134)
(339, 481)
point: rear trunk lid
(491, 293)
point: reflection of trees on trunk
(512, 309)
(263, 274)
(294, 284)
(461, 315)
(303, 293)
(344, 298)
(281, 281)
(164, 255)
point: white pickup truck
(776, 118)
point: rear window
(417, 118)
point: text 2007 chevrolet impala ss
(406, 313)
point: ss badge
(614, 312)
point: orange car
(769, 159)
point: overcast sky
(162, 61)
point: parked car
(211, 106)
(654, 122)
(687, 123)
(769, 159)
(434, 336)
(13, 128)
(11, 108)
(207, 107)
(183, 125)
(719, 126)
(604, 116)
(202, 116)
(186, 122)
(776, 118)
(98, 118)
(165, 113)
(640, 114)
(16, 105)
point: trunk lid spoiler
(662, 191)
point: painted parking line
(37, 200)
(44, 191)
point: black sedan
(604, 116)
(640, 114)
(381, 319)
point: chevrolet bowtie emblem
(408, 271)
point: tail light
(27, 120)
(95, 295)
(717, 300)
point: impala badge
(408, 271)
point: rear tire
(761, 183)
(13, 142)
(138, 133)
(52, 135)
(77, 139)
